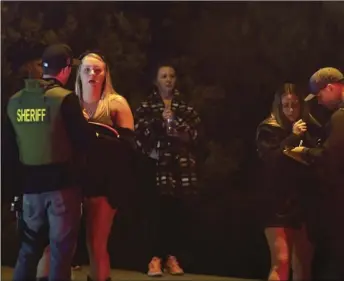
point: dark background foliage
(230, 57)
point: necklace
(90, 108)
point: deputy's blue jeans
(50, 217)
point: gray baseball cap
(321, 78)
(324, 76)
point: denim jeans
(54, 218)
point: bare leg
(279, 243)
(302, 255)
(99, 218)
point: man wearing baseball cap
(57, 57)
(327, 84)
(48, 128)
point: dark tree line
(230, 55)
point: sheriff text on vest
(31, 115)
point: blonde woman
(101, 104)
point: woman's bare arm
(121, 112)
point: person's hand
(85, 114)
(297, 153)
(298, 149)
(167, 114)
(299, 128)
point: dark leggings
(169, 228)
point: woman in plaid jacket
(168, 130)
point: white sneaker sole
(176, 273)
(156, 274)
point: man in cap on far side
(327, 84)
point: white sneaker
(172, 266)
(154, 267)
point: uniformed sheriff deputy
(47, 126)
(26, 62)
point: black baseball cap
(323, 77)
(58, 56)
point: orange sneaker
(172, 266)
(154, 267)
